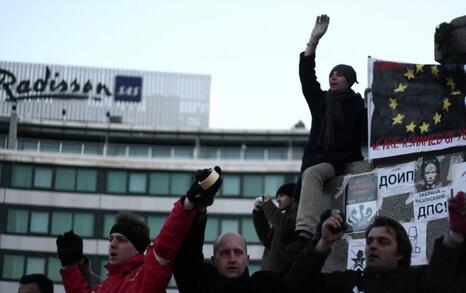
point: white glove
(258, 203)
(320, 28)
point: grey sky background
(249, 47)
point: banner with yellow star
(415, 107)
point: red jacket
(141, 273)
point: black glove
(324, 216)
(197, 195)
(69, 248)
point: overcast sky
(249, 47)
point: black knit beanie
(347, 71)
(139, 240)
(287, 189)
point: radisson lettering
(50, 87)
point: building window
(53, 269)
(231, 185)
(13, 266)
(21, 176)
(43, 177)
(277, 153)
(39, 222)
(49, 146)
(229, 225)
(207, 153)
(248, 231)
(116, 150)
(27, 144)
(61, 222)
(254, 153)
(17, 221)
(116, 181)
(183, 152)
(180, 183)
(159, 183)
(137, 182)
(161, 151)
(65, 178)
(139, 151)
(71, 147)
(212, 229)
(92, 148)
(109, 220)
(252, 185)
(86, 180)
(83, 224)
(230, 153)
(272, 183)
(155, 224)
(35, 265)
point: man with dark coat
(227, 272)
(338, 129)
(275, 227)
(388, 257)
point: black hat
(347, 71)
(287, 189)
(133, 228)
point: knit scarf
(334, 115)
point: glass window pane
(231, 185)
(86, 180)
(155, 224)
(118, 150)
(109, 220)
(272, 183)
(17, 221)
(39, 222)
(252, 185)
(116, 181)
(69, 147)
(254, 153)
(159, 183)
(13, 266)
(3, 141)
(92, 148)
(161, 151)
(21, 176)
(65, 178)
(61, 222)
(230, 153)
(43, 177)
(28, 144)
(83, 224)
(180, 183)
(211, 230)
(277, 153)
(252, 268)
(53, 269)
(208, 153)
(139, 151)
(35, 265)
(51, 146)
(137, 182)
(183, 152)
(297, 153)
(229, 226)
(248, 231)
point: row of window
(15, 265)
(160, 151)
(46, 222)
(136, 182)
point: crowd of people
(297, 235)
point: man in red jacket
(129, 268)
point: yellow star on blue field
(437, 118)
(446, 104)
(398, 119)
(409, 73)
(419, 68)
(393, 103)
(410, 127)
(424, 127)
(451, 83)
(401, 88)
(434, 70)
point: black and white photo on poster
(359, 215)
(417, 233)
(356, 258)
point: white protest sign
(397, 179)
(431, 204)
(417, 233)
(459, 180)
(356, 256)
